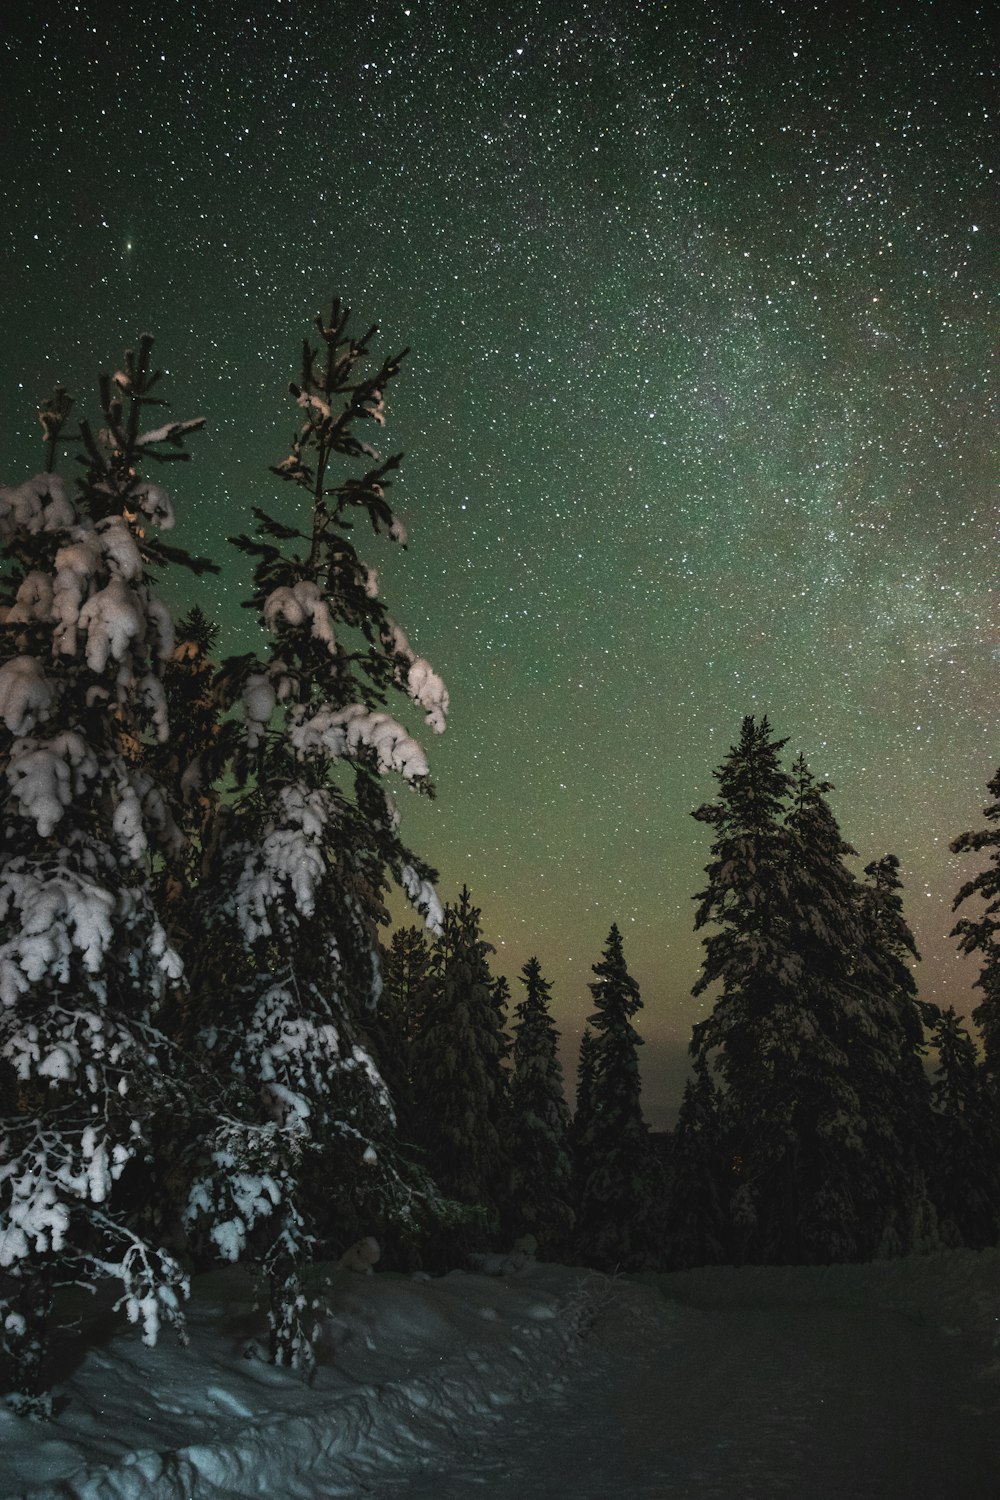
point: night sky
(698, 420)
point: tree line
(206, 1050)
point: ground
(867, 1383)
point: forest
(215, 1047)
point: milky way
(698, 418)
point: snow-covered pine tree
(300, 856)
(84, 958)
(456, 1076)
(887, 1070)
(980, 934)
(613, 1150)
(541, 1178)
(965, 1166)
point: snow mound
(402, 1363)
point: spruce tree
(541, 1178)
(85, 961)
(980, 934)
(405, 967)
(583, 1106)
(887, 1066)
(456, 1079)
(299, 857)
(965, 1167)
(696, 1229)
(746, 957)
(815, 1018)
(613, 1149)
(817, 1034)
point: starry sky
(698, 421)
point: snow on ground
(811, 1383)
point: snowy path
(803, 1402)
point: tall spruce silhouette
(541, 1178)
(613, 1155)
(965, 1161)
(457, 1083)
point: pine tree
(456, 1079)
(405, 967)
(613, 1149)
(817, 1035)
(815, 1019)
(981, 934)
(299, 858)
(696, 1231)
(541, 1180)
(887, 1066)
(745, 900)
(85, 961)
(965, 1171)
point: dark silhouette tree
(696, 1227)
(615, 1170)
(541, 1180)
(457, 1087)
(887, 1064)
(980, 934)
(965, 1164)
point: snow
(25, 695)
(346, 731)
(815, 1383)
(40, 504)
(294, 606)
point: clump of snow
(420, 680)
(362, 1257)
(348, 731)
(40, 504)
(152, 500)
(424, 898)
(288, 862)
(47, 776)
(26, 695)
(296, 606)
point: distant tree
(85, 961)
(815, 1032)
(299, 857)
(501, 1004)
(965, 1169)
(583, 1107)
(887, 1066)
(405, 967)
(980, 934)
(612, 1149)
(696, 1222)
(541, 1179)
(457, 1087)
